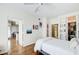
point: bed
(53, 46)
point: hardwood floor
(18, 50)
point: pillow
(73, 43)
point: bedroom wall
(36, 34)
(27, 21)
(44, 27)
(3, 32)
(62, 19)
(54, 21)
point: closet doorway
(55, 30)
(71, 27)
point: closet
(71, 27)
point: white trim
(18, 21)
(24, 45)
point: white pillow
(73, 43)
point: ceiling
(44, 9)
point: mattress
(57, 48)
(54, 46)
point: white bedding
(54, 46)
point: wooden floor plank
(18, 50)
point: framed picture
(29, 31)
(64, 30)
(40, 24)
(61, 25)
(35, 27)
(64, 25)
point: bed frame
(41, 52)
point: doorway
(13, 33)
(71, 27)
(55, 30)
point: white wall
(3, 33)
(65, 21)
(27, 21)
(54, 21)
(9, 32)
(61, 20)
(44, 27)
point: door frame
(57, 29)
(20, 28)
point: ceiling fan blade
(36, 10)
(40, 5)
(30, 3)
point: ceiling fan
(39, 5)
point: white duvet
(54, 46)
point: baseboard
(28, 44)
(3, 52)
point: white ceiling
(45, 10)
